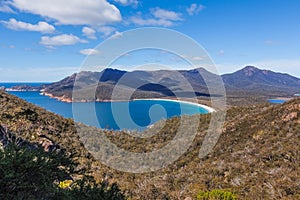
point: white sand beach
(209, 109)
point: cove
(130, 115)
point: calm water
(277, 101)
(114, 115)
(8, 85)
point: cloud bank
(71, 12)
(42, 27)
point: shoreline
(209, 109)
(67, 100)
(17, 90)
(62, 99)
(283, 98)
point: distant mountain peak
(247, 81)
(250, 70)
(262, 81)
(250, 67)
(113, 70)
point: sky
(47, 40)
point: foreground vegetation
(256, 157)
(28, 173)
(216, 195)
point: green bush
(216, 195)
(88, 189)
(31, 173)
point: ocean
(277, 101)
(8, 85)
(132, 115)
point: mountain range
(124, 85)
(259, 81)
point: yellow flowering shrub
(65, 184)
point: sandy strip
(209, 109)
(282, 98)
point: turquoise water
(277, 101)
(8, 85)
(114, 115)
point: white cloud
(221, 52)
(45, 74)
(166, 14)
(160, 17)
(42, 27)
(270, 42)
(5, 8)
(116, 35)
(106, 30)
(151, 22)
(60, 40)
(127, 2)
(89, 52)
(89, 32)
(72, 12)
(197, 58)
(194, 9)
(8, 46)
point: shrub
(216, 195)
(87, 189)
(35, 174)
(30, 173)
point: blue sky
(46, 40)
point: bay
(277, 101)
(130, 115)
(12, 84)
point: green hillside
(256, 157)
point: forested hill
(249, 81)
(256, 157)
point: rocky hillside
(256, 157)
(34, 124)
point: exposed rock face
(48, 144)
(7, 138)
(3, 137)
(249, 71)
